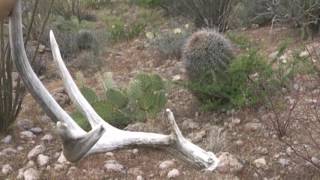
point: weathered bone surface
(103, 137)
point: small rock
(24, 124)
(167, 164)
(315, 160)
(36, 151)
(71, 171)
(140, 178)
(42, 48)
(135, 171)
(135, 151)
(7, 139)
(173, 174)
(45, 118)
(273, 55)
(260, 163)
(284, 162)
(289, 150)
(8, 151)
(262, 150)
(189, 124)
(62, 159)
(253, 126)
(109, 154)
(20, 148)
(27, 135)
(304, 54)
(176, 78)
(239, 143)
(113, 165)
(229, 164)
(235, 121)
(36, 130)
(43, 160)
(58, 167)
(31, 174)
(6, 169)
(47, 138)
(197, 137)
(30, 164)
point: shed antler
(103, 137)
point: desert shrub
(96, 4)
(303, 14)
(207, 55)
(86, 40)
(204, 13)
(144, 98)
(169, 44)
(120, 31)
(150, 3)
(248, 80)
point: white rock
(135, 151)
(315, 160)
(253, 126)
(284, 162)
(236, 121)
(7, 139)
(24, 124)
(113, 165)
(289, 150)
(8, 151)
(167, 164)
(6, 169)
(36, 130)
(20, 148)
(43, 160)
(36, 151)
(229, 164)
(31, 174)
(239, 143)
(140, 178)
(30, 164)
(173, 174)
(260, 163)
(62, 159)
(176, 78)
(304, 54)
(47, 138)
(27, 135)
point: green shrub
(207, 55)
(144, 98)
(150, 3)
(86, 40)
(120, 31)
(169, 44)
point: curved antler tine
(72, 89)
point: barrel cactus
(207, 54)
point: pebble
(173, 174)
(36, 151)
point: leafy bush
(120, 31)
(250, 79)
(207, 55)
(169, 44)
(144, 98)
(86, 40)
(97, 4)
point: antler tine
(72, 89)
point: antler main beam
(76, 142)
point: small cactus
(205, 53)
